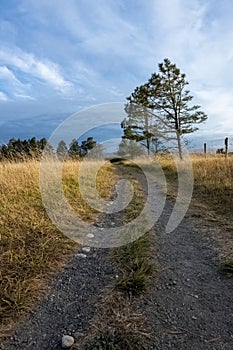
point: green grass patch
(135, 259)
(226, 266)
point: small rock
(67, 341)
(90, 235)
(86, 249)
(80, 255)
(194, 317)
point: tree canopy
(161, 108)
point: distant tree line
(23, 150)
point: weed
(226, 266)
(116, 326)
(109, 341)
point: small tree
(138, 124)
(97, 152)
(62, 149)
(165, 99)
(74, 149)
(87, 145)
(130, 149)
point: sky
(60, 57)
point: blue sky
(58, 57)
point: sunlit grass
(31, 247)
(213, 179)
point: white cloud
(47, 71)
(3, 96)
(13, 85)
(219, 107)
(5, 73)
(25, 97)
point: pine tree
(61, 149)
(161, 108)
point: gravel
(68, 306)
(190, 304)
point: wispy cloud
(11, 84)
(45, 70)
(3, 97)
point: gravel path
(189, 305)
(68, 306)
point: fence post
(226, 147)
(205, 149)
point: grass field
(31, 248)
(30, 245)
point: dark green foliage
(87, 145)
(18, 150)
(74, 149)
(227, 266)
(109, 341)
(138, 268)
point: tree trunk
(179, 145)
(178, 135)
(148, 146)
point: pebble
(67, 341)
(86, 249)
(80, 255)
(90, 235)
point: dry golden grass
(213, 180)
(212, 198)
(31, 247)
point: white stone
(86, 249)
(67, 341)
(90, 235)
(80, 255)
